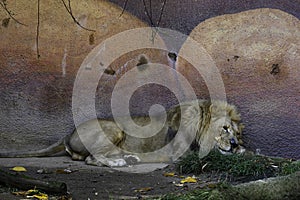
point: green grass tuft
(248, 165)
(237, 165)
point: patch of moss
(284, 187)
(218, 193)
(237, 165)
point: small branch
(124, 7)
(26, 183)
(3, 5)
(150, 8)
(69, 10)
(161, 12)
(147, 13)
(38, 30)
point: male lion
(215, 124)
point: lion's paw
(117, 163)
(132, 159)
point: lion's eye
(233, 143)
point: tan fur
(216, 124)
(210, 118)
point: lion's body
(111, 145)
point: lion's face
(228, 140)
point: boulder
(257, 54)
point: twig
(69, 10)
(38, 30)
(26, 183)
(161, 12)
(147, 13)
(3, 5)
(150, 8)
(124, 7)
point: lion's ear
(232, 112)
(241, 127)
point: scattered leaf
(188, 180)
(41, 196)
(179, 184)
(65, 171)
(204, 166)
(18, 169)
(143, 190)
(170, 174)
(32, 194)
(274, 166)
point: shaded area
(183, 16)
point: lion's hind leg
(107, 150)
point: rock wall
(257, 53)
(36, 90)
(185, 15)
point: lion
(100, 142)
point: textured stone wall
(36, 93)
(257, 53)
(270, 109)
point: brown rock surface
(258, 55)
(35, 93)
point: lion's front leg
(106, 154)
(113, 161)
(132, 159)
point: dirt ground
(97, 183)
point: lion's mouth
(225, 152)
(230, 150)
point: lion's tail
(54, 149)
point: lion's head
(228, 141)
(217, 125)
(225, 122)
